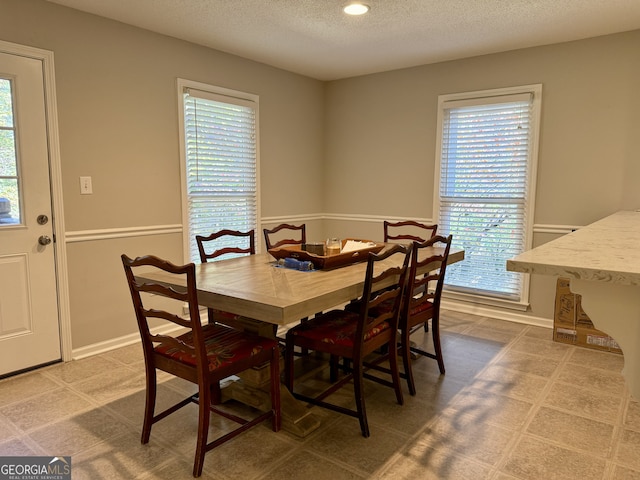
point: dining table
(266, 296)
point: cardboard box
(572, 325)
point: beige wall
(381, 134)
(361, 148)
(118, 120)
(589, 146)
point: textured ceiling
(314, 37)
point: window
(487, 155)
(220, 162)
(9, 179)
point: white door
(29, 322)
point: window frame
(536, 91)
(220, 93)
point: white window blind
(221, 164)
(485, 184)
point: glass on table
(333, 246)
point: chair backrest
(137, 286)
(269, 235)
(377, 291)
(426, 275)
(408, 230)
(216, 238)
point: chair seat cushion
(387, 306)
(337, 327)
(223, 345)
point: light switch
(85, 186)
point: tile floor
(512, 405)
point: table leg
(252, 389)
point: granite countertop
(606, 251)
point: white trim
(119, 342)
(557, 229)
(126, 232)
(205, 88)
(485, 311)
(373, 218)
(55, 171)
(292, 218)
(485, 300)
(535, 92)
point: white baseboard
(485, 311)
(112, 344)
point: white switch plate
(85, 186)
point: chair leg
(435, 332)
(358, 386)
(204, 415)
(395, 373)
(276, 420)
(216, 394)
(149, 405)
(288, 364)
(406, 359)
(333, 368)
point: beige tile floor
(512, 405)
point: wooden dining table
(265, 295)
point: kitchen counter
(603, 262)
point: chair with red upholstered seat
(354, 335)
(422, 302)
(420, 305)
(408, 230)
(218, 244)
(203, 355)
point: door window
(9, 180)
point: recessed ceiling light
(356, 9)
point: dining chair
(352, 336)
(408, 230)
(421, 304)
(273, 239)
(218, 244)
(227, 246)
(203, 354)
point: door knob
(44, 240)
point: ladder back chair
(408, 230)
(272, 236)
(227, 245)
(218, 244)
(354, 335)
(422, 302)
(203, 355)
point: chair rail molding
(124, 232)
(110, 233)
